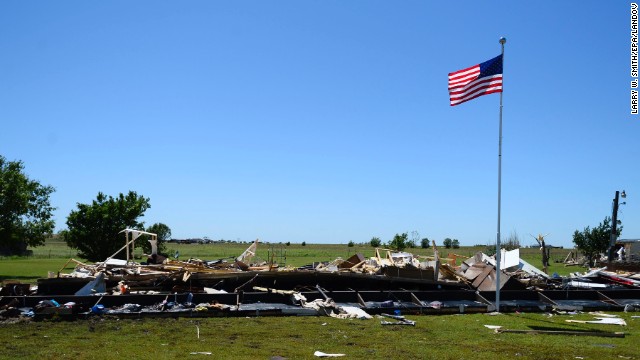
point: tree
(424, 243)
(490, 250)
(545, 251)
(304, 243)
(399, 242)
(592, 242)
(351, 244)
(94, 229)
(164, 234)
(512, 243)
(447, 243)
(25, 211)
(375, 242)
(455, 244)
(415, 237)
(160, 229)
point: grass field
(433, 337)
(441, 337)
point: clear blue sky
(325, 121)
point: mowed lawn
(433, 337)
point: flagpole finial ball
(503, 40)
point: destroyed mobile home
(356, 287)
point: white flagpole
(498, 250)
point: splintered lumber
(275, 291)
(401, 320)
(447, 271)
(404, 322)
(483, 275)
(352, 262)
(71, 260)
(601, 320)
(569, 257)
(396, 317)
(247, 283)
(617, 334)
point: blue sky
(325, 121)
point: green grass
(442, 337)
(433, 337)
(53, 249)
(28, 270)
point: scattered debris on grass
(353, 288)
(322, 354)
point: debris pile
(351, 288)
(602, 279)
(479, 272)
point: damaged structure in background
(388, 282)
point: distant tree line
(402, 241)
(94, 229)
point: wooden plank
(617, 334)
(473, 272)
(489, 282)
(415, 300)
(480, 278)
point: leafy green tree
(592, 242)
(447, 243)
(399, 242)
(351, 243)
(304, 243)
(455, 244)
(375, 242)
(164, 234)
(424, 243)
(163, 231)
(94, 229)
(25, 211)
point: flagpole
(498, 250)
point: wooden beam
(617, 334)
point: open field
(433, 337)
(442, 337)
(54, 255)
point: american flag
(478, 80)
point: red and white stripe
(465, 85)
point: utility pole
(614, 226)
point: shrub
(375, 242)
(399, 242)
